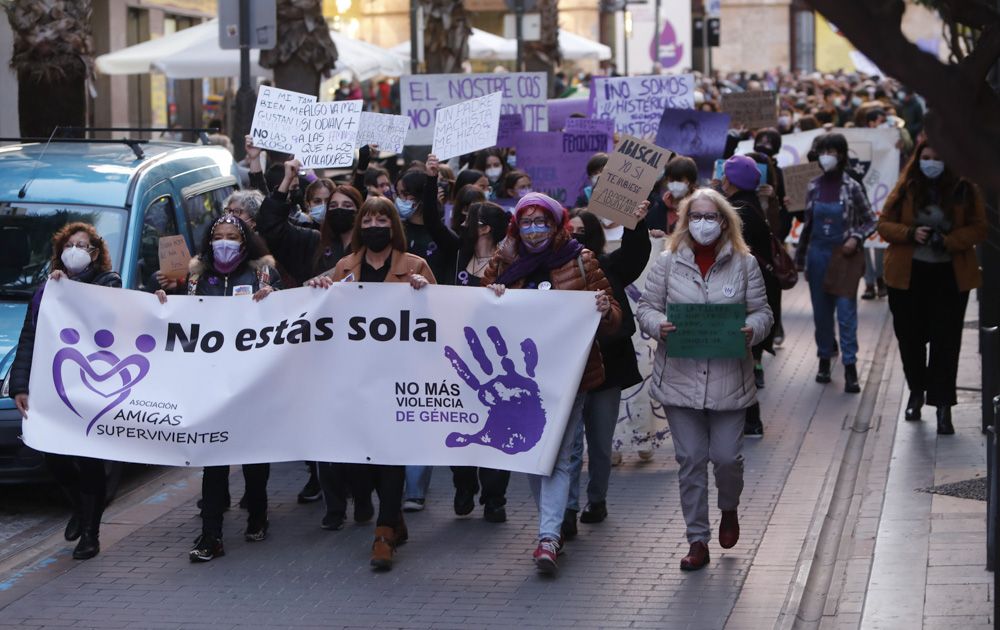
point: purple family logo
(516, 419)
(666, 48)
(99, 369)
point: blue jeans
(417, 480)
(600, 416)
(874, 264)
(551, 493)
(824, 305)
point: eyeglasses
(711, 218)
(537, 221)
(85, 247)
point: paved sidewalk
(464, 572)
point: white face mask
(705, 232)
(493, 174)
(678, 189)
(932, 169)
(828, 162)
(75, 259)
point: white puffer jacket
(716, 384)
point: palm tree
(544, 55)
(54, 60)
(446, 35)
(305, 52)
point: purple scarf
(527, 263)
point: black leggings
(78, 475)
(388, 483)
(215, 495)
(494, 484)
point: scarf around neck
(551, 258)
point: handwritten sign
(556, 162)
(637, 103)
(466, 127)
(174, 257)
(510, 126)
(753, 110)
(593, 127)
(329, 134)
(523, 93)
(797, 180)
(700, 136)
(388, 131)
(628, 177)
(277, 118)
(707, 331)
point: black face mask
(341, 219)
(580, 238)
(376, 238)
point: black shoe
(495, 514)
(869, 293)
(74, 527)
(310, 492)
(363, 509)
(753, 428)
(594, 512)
(945, 427)
(851, 385)
(568, 529)
(758, 375)
(882, 289)
(823, 374)
(206, 548)
(256, 530)
(465, 502)
(913, 406)
(88, 547)
(91, 510)
(332, 522)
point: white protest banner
(440, 376)
(637, 103)
(277, 118)
(524, 93)
(467, 126)
(872, 155)
(328, 134)
(388, 131)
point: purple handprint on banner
(130, 370)
(516, 419)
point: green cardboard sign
(707, 331)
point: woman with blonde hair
(705, 398)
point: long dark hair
(465, 178)
(467, 196)
(384, 207)
(327, 237)
(253, 245)
(918, 186)
(593, 230)
(488, 214)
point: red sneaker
(729, 529)
(545, 556)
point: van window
(202, 210)
(159, 220)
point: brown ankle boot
(400, 531)
(729, 529)
(697, 557)
(382, 548)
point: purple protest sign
(695, 134)
(557, 162)
(593, 126)
(510, 125)
(560, 109)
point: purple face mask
(227, 254)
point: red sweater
(704, 256)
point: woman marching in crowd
(378, 245)
(707, 262)
(233, 262)
(539, 253)
(78, 253)
(932, 221)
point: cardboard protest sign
(556, 163)
(593, 127)
(797, 180)
(174, 257)
(752, 110)
(698, 135)
(422, 94)
(466, 127)
(329, 134)
(388, 131)
(707, 331)
(628, 177)
(637, 103)
(277, 118)
(510, 126)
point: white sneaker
(646, 454)
(413, 505)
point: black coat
(20, 371)
(622, 267)
(757, 235)
(294, 246)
